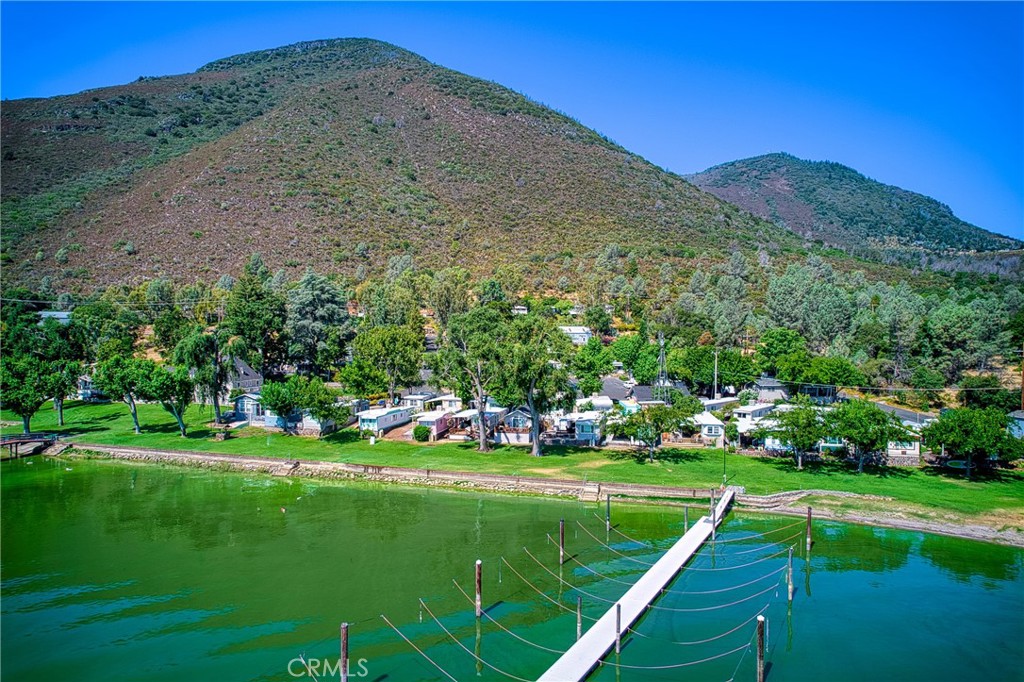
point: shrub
(421, 433)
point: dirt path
(897, 519)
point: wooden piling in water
(760, 649)
(808, 529)
(561, 542)
(686, 517)
(344, 652)
(618, 628)
(479, 584)
(608, 513)
(789, 574)
(579, 617)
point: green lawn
(1000, 493)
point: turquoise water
(119, 572)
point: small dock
(584, 655)
(26, 444)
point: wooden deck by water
(580, 659)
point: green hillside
(337, 154)
(837, 205)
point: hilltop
(337, 154)
(835, 204)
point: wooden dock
(584, 655)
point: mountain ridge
(341, 154)
(843, 207)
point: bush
(421, 433)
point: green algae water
(120, 572)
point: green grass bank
(994, 499)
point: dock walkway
(584, 655)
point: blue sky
(926, 96)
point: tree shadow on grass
(641, 455)
(343, 437)
(985, 473)
(679, 455)
(836, 467)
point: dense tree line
(804, 324)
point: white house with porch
(514, 427)
(712, 430)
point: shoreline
(586, 491)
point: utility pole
(714, 391)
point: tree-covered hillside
(836, 204)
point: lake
(116, 572)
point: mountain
(337, 154)
(837, 205)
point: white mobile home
(449, 402)
(417, 402)
(383, 419)
(438, 421)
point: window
(713, 430)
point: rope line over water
(687, 568)
(740, 662)
(466, 649)
(495, 621)
(673, 666)
(767, 532)
(733, 568)
(600, 575)
(543, 594)
(609, 547)
(709, 639)
(765, 545)
(418, 650)
(740, 539)
(649, 606)
(727, 589)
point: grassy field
(998, 494)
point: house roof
(707, 419)
(1017, 414)
(746, 410)
(469, 413)
(446, 396)
(906, 415)
(433, 415)
(418, 396)
(614, 388)
(380, 412)
(645, 394)
(575, 329)
(588, 416)
(769, 382)
(244, 372)
(518, 410)
(59, 315)
(715, 403)
(600, 402)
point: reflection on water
(117, 572)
